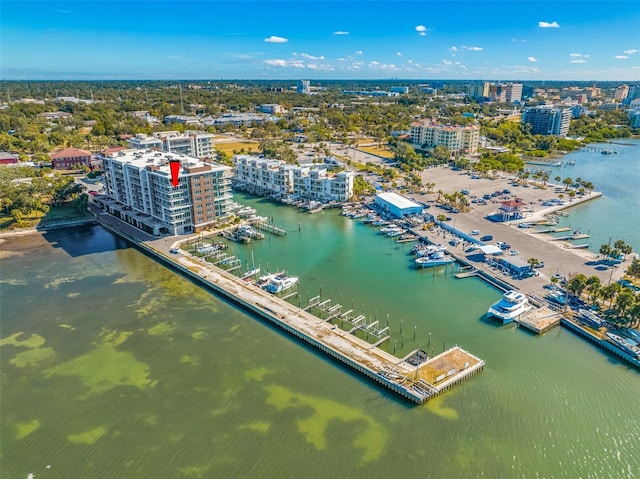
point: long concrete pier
(415, 382)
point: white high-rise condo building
(460, 140)
(275, 176)
(547, 120)
(304, 87)
(190, 143)
(140, 192)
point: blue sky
(206, 39)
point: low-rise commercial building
(70, 158)
(397, 205)
(140, 192)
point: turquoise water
(115, 367)
(616, 214)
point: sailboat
(252, 272)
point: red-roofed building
(8, 158)
(69, 158)
(512, 209)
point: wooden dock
(540, 320)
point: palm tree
(577, 284)
(610, 291)
(533, 262)
(558, 179)
(567, 182)
(594, 288)
(605, 250)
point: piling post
(414, 332)
(444, 345)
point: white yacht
(280, 283)
(511, 305)
(437, 258)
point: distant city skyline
(320, 40)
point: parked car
(539, 265)
(474, 232)
(486, 238)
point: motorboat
(557, 296)
(590, 318)
(280, 283)
(511, 305)
(437, 258)
(425, 250)
(628, 346)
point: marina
(417, 384)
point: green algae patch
(23, 429)
(66, 326)
(257, 374)
(115, 338)
(32, 357)
(435, 406)
(33, 341)
(161, 329)
(105, 368)
(371, 440)
(234, 328)
(193, 360)
(199, 335)
(73, 295)
(194, 471)
(257, 426)
(87, 437)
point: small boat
(251, 273)
(524, 225)
(511, 305)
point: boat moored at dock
(279, 283)
(511, 305)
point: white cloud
(621, 57)
(274, 39)
(473, 49)
(399, 54)
(532, 59)
(311, 57)
(576, 55)
(548, 24)
(359, 52)
(339, 32)
(279, 62)
(422, 34)
(631, 51)
(454, 48)
(578, 60)
(446, 62)
(421, 28)
(373, 63)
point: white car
(474, 232)
(514, 252)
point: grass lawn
(248, 146)
(384, 152)
(68, 211)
